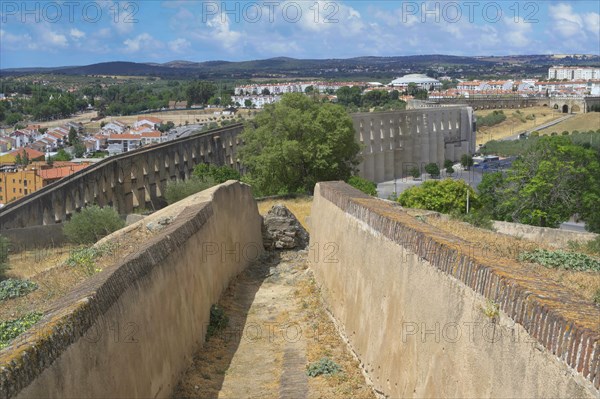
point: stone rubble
(281, 230)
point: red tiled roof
(60, 172)
(150, 119)
(31, 153)
(124, 137)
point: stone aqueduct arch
(574, 104)
(136, 179)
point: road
(386, 189)
(540, 127)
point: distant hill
(327, 68)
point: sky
(69, 32)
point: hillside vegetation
(516, 121)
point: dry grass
(324, 341)
(300, 207)
(83, 118)
(513, 125)
(581, 283)
(581, 122)
(54, 278)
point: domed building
(422, 81)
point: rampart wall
(430, 315)
(129, 330)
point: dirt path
(277, 326)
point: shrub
(449, 170)
(448, 163)
(492, 119)
(85, 259)
(597, 297)
(561, 260)
(433, 169)
(91, 224)
(445, 196)
(477, 218)
(325, 366)
(178, 190)
(466, 161)
(219, 174)
(364, 185)
(10, 329)
(594, 245)
(414, 172)
(218, 321)
(4, 249)
(14, 288)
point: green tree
(297, 142)
(91, 224)
(445, 196)
(216, 174)
(433, 169)
(349, 96)
(200, 92)
(62, 155)
(79, 149)
(266, 92)
(364, 185)
(490, 193)
(226, 100)
(466, 161)
(247, 103)
(449, 170)
(550, 182)
(415, 172)
(73, 137)
(309, 89)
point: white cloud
(591, 22)
(519, 32)
(179, 45)
(221, 32)
(52, 39)
(142, 42)
(77, 34)
(566, 22)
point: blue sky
(70, 32)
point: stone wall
(397, 141)
(560, 104)
(130, 330)
(136, 179)
(429, 315)
(546, 235)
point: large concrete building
(421, 81)
(397, 141)
(573, 73)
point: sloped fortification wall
(130, 330)
(418, 307)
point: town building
(16, 182)
(573, 73)
(420, 80)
